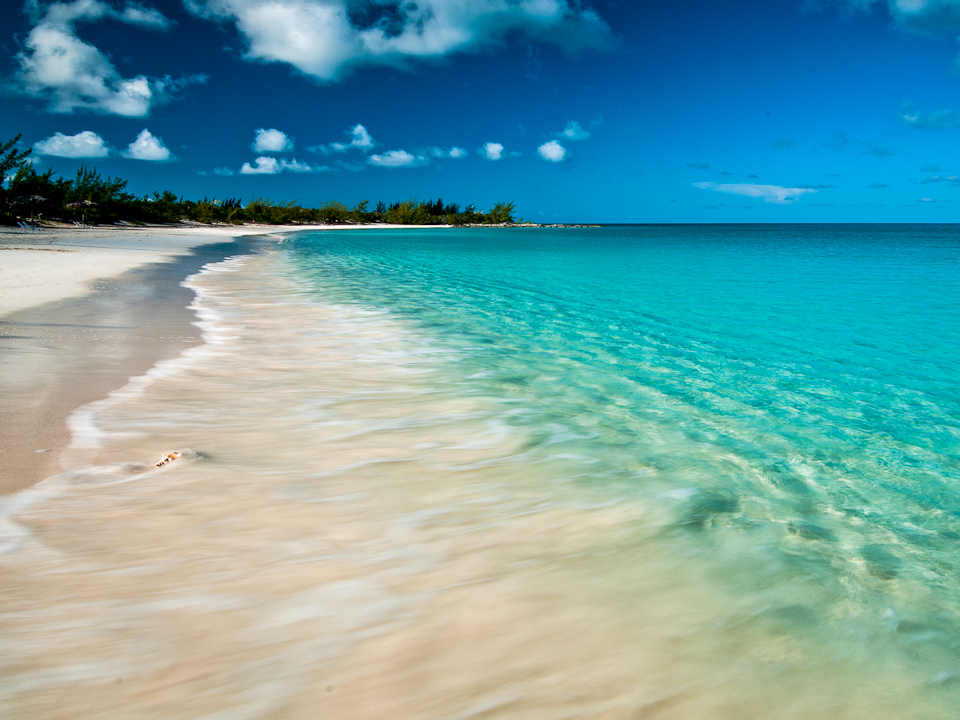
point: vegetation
(93, 199)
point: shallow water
(656, 472)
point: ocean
(668, 471)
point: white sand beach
(57, 263)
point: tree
(10, 158)
(502, 213)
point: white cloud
(768, 193)
(144, 16)
(266, 165)
(454, 152)
(222, 171)
(396, 158)
(327, 38)
(574, 131)
(271, 140)
(69, 73)
(360, 140)
(147, 147)
(491, 151)
(298, 166)
(553, 151)
(86, 144)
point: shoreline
(74, 325)
(40, 267)
(84, 310)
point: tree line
(26, 194)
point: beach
(425, 473)
(82, 311)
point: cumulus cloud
(222, 171)
(147, 147)
(69, 74)
(86, 144)
(491, 150)
(574, 131)
(553, 151)
(262, 166)
(768, 193)
(326, 39)
(271, 140)
(360, 140)
(943, 118)
(396, 158)
(266, 165)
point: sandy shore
(52, 264)
(82, 311)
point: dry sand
(52, 264)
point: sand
(82, 311)
(53, 264)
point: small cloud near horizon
(877, 186)
(697, 166)
(775, 194)
(266, 165)
(782, 144)
(931, 168)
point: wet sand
(64, 354)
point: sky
(605, 111)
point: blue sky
(828, 111)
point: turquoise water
(788, 394)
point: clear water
(678, 471)
(806, 375)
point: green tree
(502, 213)
(10, 157)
